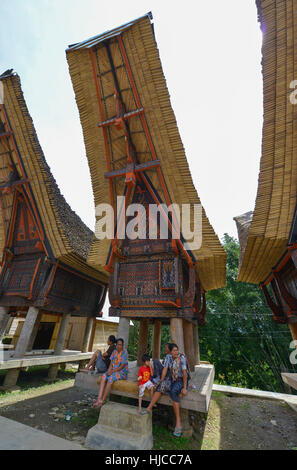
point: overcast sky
(211, 56)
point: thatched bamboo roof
(277, 187)
(148, 83)
(67, 237)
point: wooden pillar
(293, 328)
(157, 339)
(143, 339)
(34, 331)
(176, 333)
(21, 347)
(59, 346)
(88, 338)
(189, 344)
(87, 335)
(196, 344)
(4, 319)
(26, 333)
(124, 330)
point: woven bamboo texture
(143, 56)
(277, 185)
(67, 235)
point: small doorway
(44, 335)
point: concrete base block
(14, 388)
(11, 379)
(121, 427)
(52, 373)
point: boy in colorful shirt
(144, 376)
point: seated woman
(101, 361)
(118, 370)
(173, 384)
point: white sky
(211, 56)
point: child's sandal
(145, 412)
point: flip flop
(178, 432)
(146, 412)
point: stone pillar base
(52, 373)
(10, 380)
(82, 364)
(15, 388)
(121, 427)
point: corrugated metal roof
(107, 35)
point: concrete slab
(18, 436)
(34, 360)
(291, 400)
(197, 400)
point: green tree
(240, 338)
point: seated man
(101, 361)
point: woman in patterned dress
(118, 370)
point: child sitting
(144, 375)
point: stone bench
(194, 400)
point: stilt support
(189, 344)
(143, 339)
(157, 339)
(176, 333)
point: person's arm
(185, 377)
(118, 369)
(109, 370)
(164, 372)
(152, 370)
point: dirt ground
(235, 423)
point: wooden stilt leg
(157, 339)
(4, 319)
(26, 333)
(123, 330)
(34, 331)
(143, 339)
(87, 335)
(53, 370)
(176, 333)
(196, 344)
(189, 343)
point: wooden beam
(142, 340)
(189, 344)
(157, 339)
(176, 333)
(196, 343)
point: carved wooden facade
(151, 279)
(31, 274)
